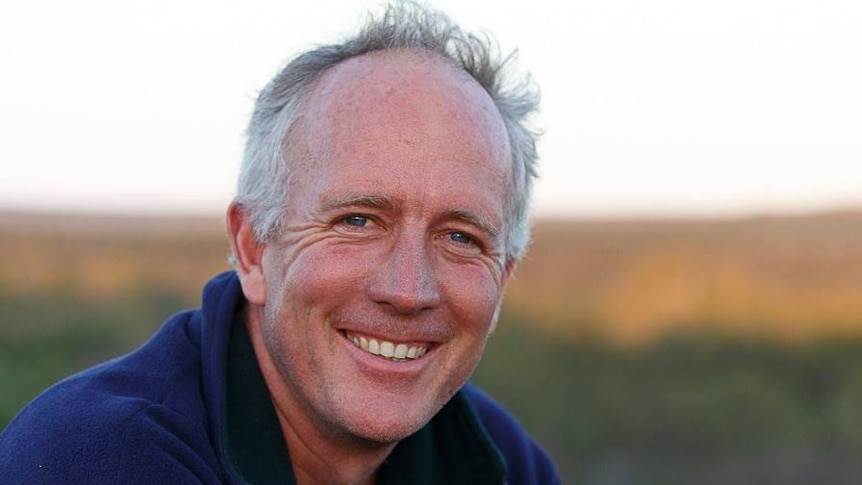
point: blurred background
(690, 310)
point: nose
(405, 279)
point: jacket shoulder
(526, 461)
(122, 441)
(129, 420)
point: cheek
(320, 275)
(474, 295)
(302, 294)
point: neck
(319, 460)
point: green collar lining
(452, 448)
(254, 445)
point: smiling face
(374, 304)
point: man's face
(387, 279)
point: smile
(386, 349)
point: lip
(384, 370)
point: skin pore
(393, 234)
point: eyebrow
(474, 219)
(372, 201)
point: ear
(508, 268)
(248, 254)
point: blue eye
(356, 220)
(461, 238)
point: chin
(387, 424)
(385, 433)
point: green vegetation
(688, 409)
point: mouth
(392, 351)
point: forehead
(421, 95)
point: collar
(452, 448)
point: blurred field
(725, 351)
(790, 279)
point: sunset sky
(667, 107)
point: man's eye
(461, 238)
(356, 220)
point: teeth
(388, 350)
(401, 351)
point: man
(381, 209)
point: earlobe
(508, 268)
(495, 319)
(248, 254)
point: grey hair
(262, 189)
